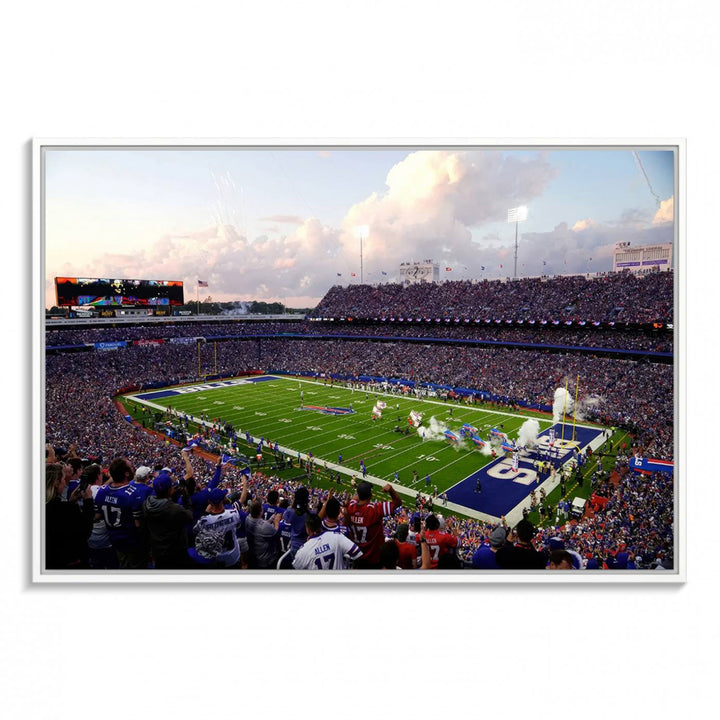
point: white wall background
(334, 70)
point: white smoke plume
(434, 430)
(486, 450)
(528, 433)
(562, 402)
(587, 404)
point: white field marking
(302, 434)
(147, 403)
(479, 414)
(402, 489)
(250, 407)
(337, 387)
(375, 435)
(445, 466)
(333, 424)
(426, 401)
(447, 446)
(162, 408)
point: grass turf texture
(272, 409)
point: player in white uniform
(325, 550)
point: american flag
(202, 283)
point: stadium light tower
(517, 215)
(361, 232)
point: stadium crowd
(617, 392)
(621, 339)
(82, 421)
(120, 495)
(204, 514)
(623, 297)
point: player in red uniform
(365, 522)
(439, 543)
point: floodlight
(517, 214)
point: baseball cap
(166, 470)
(217, 495)
(162, 483)
(497, 536)
(556, 543)
(142, 472)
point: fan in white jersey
(216, 541)
(325, 550)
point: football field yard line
(306, 437)
(251, 404)
(279, 394)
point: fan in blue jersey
(141, 481)
(120, 505)
(199, 490)
(74, 480)
(295, 518)
(271, 507)
(284, 528)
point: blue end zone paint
(502, 489)
(171, 392)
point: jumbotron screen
(116, 293)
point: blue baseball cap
(216, 496)
(162, 483)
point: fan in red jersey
(364, 519)
(439, 543)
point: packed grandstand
(122, 494)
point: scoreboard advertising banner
(102, 292)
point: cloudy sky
(282, 224)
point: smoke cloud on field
(562, 404)
(528, 433)
(434, 430)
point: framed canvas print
(451, 361)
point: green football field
(281, 409)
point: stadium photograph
(390, 362)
